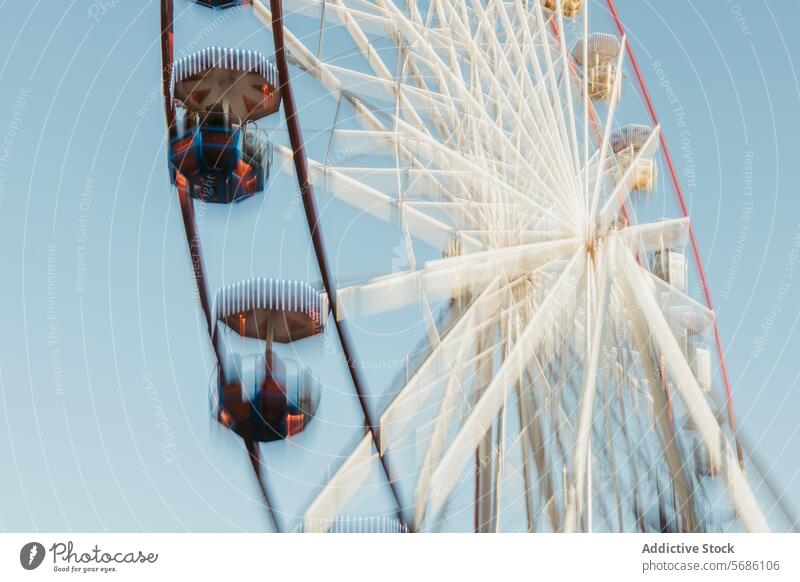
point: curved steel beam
(190, 229)
(307, 195)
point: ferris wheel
(540, 361)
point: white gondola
(690, 328)
(601, 52)
(671, 267)
(626, 143)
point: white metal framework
(561, 375)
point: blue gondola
(219, 3)
(271, 400)
(220, 164)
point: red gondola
(263, 397)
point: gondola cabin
(596, 55)
(569, 8)
(221, 163)
(626, 143)
(263, 397)
(267, 398)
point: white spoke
(595, 328)
(492, 399)
(721, 457)
(473, 144)
(449, 277)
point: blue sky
(103, 363)
(725, 70)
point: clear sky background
(103, 361)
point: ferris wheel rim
(566, 195)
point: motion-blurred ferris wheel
(540, 363)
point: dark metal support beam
(306, 192)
